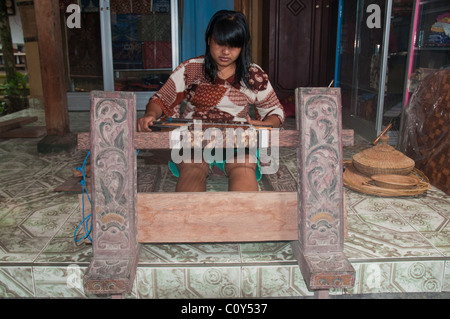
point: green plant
(15, 86)
(15, 92)
(3, 108)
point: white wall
(16, 27)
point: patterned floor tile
(273, 282)
(189, 254)
(267, 252)
(415, 276)
(58, 282)
(440, 240)
(65, 250)
(16, 282)
(383, 238)
(446, 284)
(198, 282)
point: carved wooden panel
(320, 190)
(320, 168)
(114, 189)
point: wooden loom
(311, 218)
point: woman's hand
(152, 113)
(272, 120)
(144, 123)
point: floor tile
(189, 254)
(384, 238)
(16, 282)
(273, 282)
(267, 252)
(58, 282)
(414, 276)
(198, 282)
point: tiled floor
(396, 245)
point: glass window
(126, 45)
(141, 44)
(83, 49)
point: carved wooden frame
(113, 142)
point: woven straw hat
(383, 159)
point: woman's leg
(241, 176)
(192, 177)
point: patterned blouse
(219, 101)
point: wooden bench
(311, 219)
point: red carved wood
(319, 249)
(114, 189)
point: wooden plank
(16, 123)
(25, 132)
(216, 217)
(161, 140)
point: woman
(218, 86)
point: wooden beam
(52, 70)
(16, 123)
(215, 217)
(161, 140)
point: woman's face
(223, 55)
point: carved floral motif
(113, 160)
(321, 177)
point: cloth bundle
(440, 31)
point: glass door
(83, 47)
(130, 45)
(373, 57)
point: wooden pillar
(319, 249)
(114, 194)
(52, 66)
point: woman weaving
(218, 86)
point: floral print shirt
(219, 101)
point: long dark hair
(229, 28)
